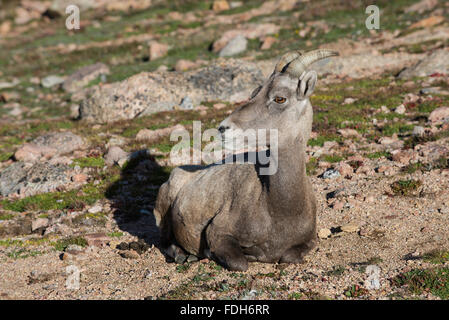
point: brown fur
(231, 213)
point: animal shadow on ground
(134, 195)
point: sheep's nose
(222, 129)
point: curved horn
(299, 65)
(286, 59)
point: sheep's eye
(280, 100)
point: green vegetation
(92, 162)
(436, 256)
(6, 216)
(420, 281)
(74, 199)
(336, 271)
(405, 187)
(331, 158)
(312, 166)
(115, 234)
(355, 291)
(22, 253)
(378, 154)
(182, 268)
(62, 244)
(295, 296)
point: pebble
(418, 131)
(350, 227)
(400, 109)
(129, 254)
(235, 46)
(52, 81)
(95, 209)
(330, 174)
(324, 233)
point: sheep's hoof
(180, 258)
(192, 258)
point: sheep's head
(282, 102)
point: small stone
(114, 244)
(330, 174)
(74, 249)
(52, 81)
(439, 114)
(384, 109)
(97, 239)
(95, 209)
(74, 111)
(349, 101)
(129, 254)
(400, 109)
(218, 106)
(338, 205)
(153, 135)
(235, 46)
(268, 43)
(428, 22)
(418, 131)
(220, 5)
(346, 133)
(324, 233)
(433, 90)
(403, 156)
(350, 227)
(157, 50)
(184, 65)
(345, 169)
(79, 178)
(39, 223)
(114, 155)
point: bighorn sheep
(231, 213)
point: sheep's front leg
(227, 251)
(296, 253)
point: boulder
(438, 61)
(49, 145)
(27, 180)
(151, 92)
(439, 114)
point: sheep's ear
(306, 84)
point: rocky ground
(84, 144)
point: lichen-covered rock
(438, 61)
(151, 92)
(26, 180)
